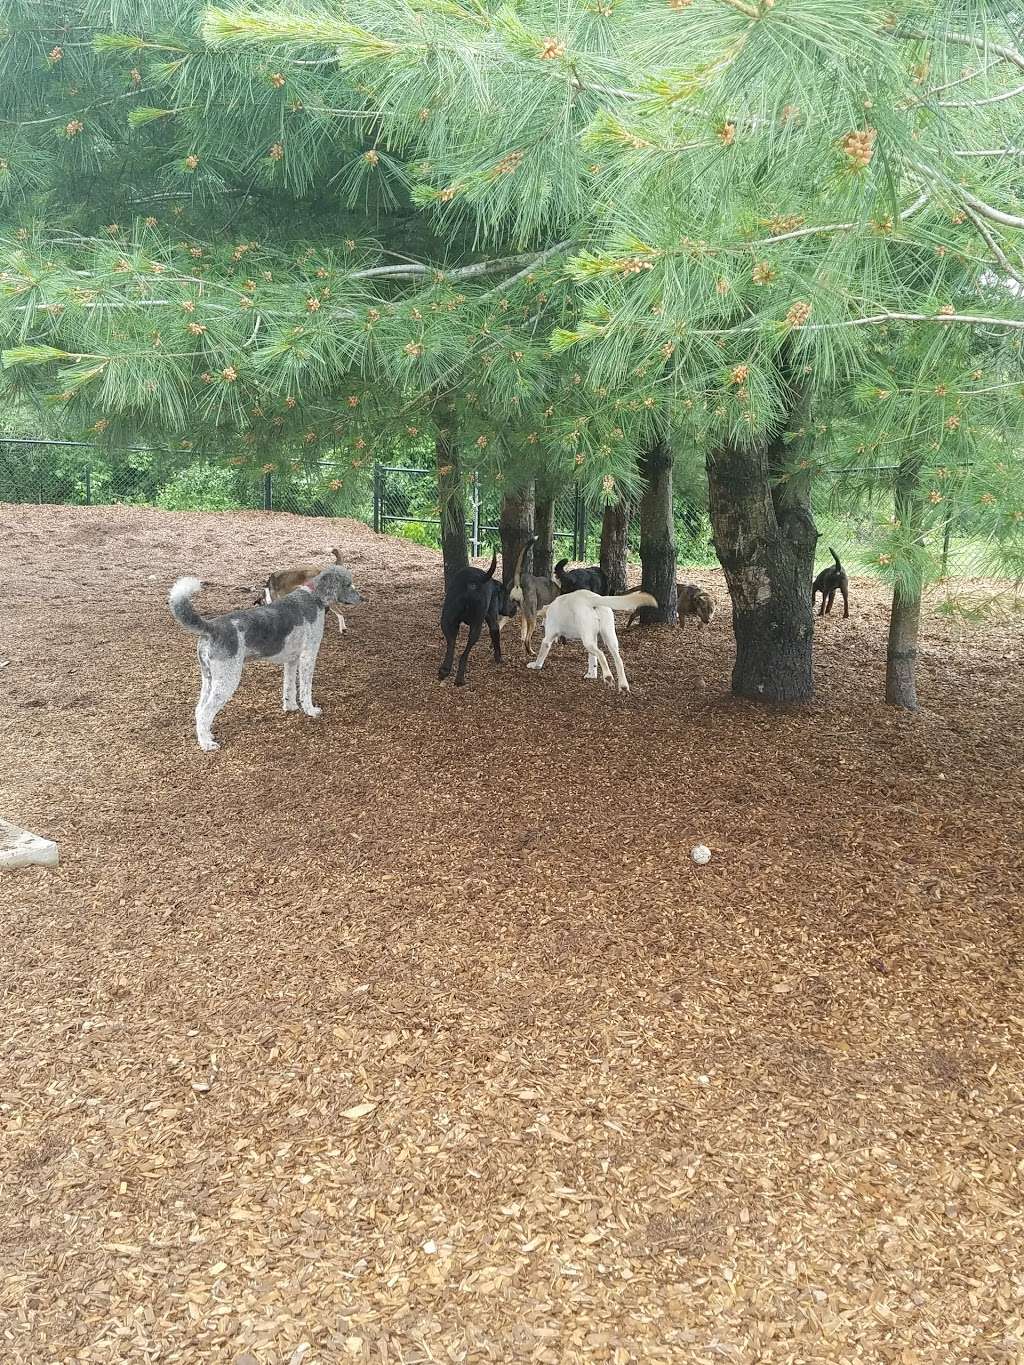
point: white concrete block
(20, 848)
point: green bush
(204, 488)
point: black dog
(828, 583)
(571, 580)
(473, 598)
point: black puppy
(572, 580)
(473, 598)
(830, 581)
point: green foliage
(289, 234)
(200, 486)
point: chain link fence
(401, 500)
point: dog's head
(507, 605)
(335, 585)
(694, 601)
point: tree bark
(614, 530)
(905, 616)
(765, 539)
(657, 533)
(451, 494)
(515, 525)
(544, 526)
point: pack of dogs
(285, 623)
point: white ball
(701, 854)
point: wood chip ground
(413, 1035)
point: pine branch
(981, 104)
(528, 269)
(1009, 54)
(994, 246)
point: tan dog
(690, 601)
(284, 581)
(534, 595)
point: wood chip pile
(413, 1034)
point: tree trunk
(657, 533)
(451, 494)
(515, 525)
(765, 539)
(614, 530)
(544, 525)
(905, 617)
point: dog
(584, 615)
(831, 580)
(690, 601)
(283, 582)
(473, 597)
(592, 579)
(533, 594)
(287, 632)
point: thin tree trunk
(905, 616)
(657, 533)
(515, 525)
(614, 531)
(765, 539)
(544, 526)
(451, 493)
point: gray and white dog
(287, 632)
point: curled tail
(180, 602)
(835, 557)
(337, 556)
(517, 587)
(559, 570)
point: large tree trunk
(451, 494)
(657, 532)
(765, 539)
(614, 530)
(515, 525)
(905, 617)
(544, 526)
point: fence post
(476, 516)
(268, 492)
(377, 497)
(945, 547)
(88, 485)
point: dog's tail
(630, 601)
(180, 602)
(337, 555)
(493, 566)
(517, 588)
(836, 558)
(559, 569)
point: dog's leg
(291, 677)
(611, 641)
(307, 663)
(495, 630)
(524, 629)
(846, 601)
(206, 740)
(223, 686)
(449, 654)
(831, 599)
(474, 635)
(545, 650)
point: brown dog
(690, 601)
(284, 581)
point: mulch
(413, 1034)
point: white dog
(584, 616)
(288, 633)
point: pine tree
(759, 228)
